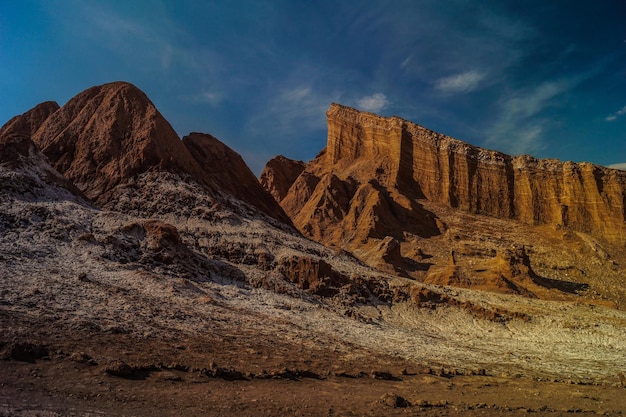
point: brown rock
(15, 150)
(279, 175)
(393, 400)
(28, 123)
(229, 173)
(109, 133)
(314, 275)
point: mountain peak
(26, 124)
(109, 133)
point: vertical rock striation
(420, 163)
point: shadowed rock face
(229, 173)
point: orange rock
(407, 163)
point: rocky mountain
(392, 192)
(111, 133)
(415, 162)
(28, 123)
(141, 273)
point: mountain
(111, 133)
(421, 164)
(407, 200)
(228, 172)
(141, 272)
(26, 124)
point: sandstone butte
(108, 134)
(367, 192)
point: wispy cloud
(294, 110)
(613, 116)
(460, 83)
(520, 125)
(374, 103)
(621, 165)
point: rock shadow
(569, 287)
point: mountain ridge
(394, 193)
(110, 133)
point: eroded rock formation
(418, 162)
(278, 175)
(389, 190)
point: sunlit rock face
(409, 162)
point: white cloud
(615, 115)
(621, 166)
(210, 97)
(460, 83)
(374, 103)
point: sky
(544, 78)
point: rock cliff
(417, 163)
(421, 163)
(401, 197)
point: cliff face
(418, 162)
(406, 200)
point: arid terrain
(401, 272)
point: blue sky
(545, 78)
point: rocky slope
(392, 192)
(119, 289)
